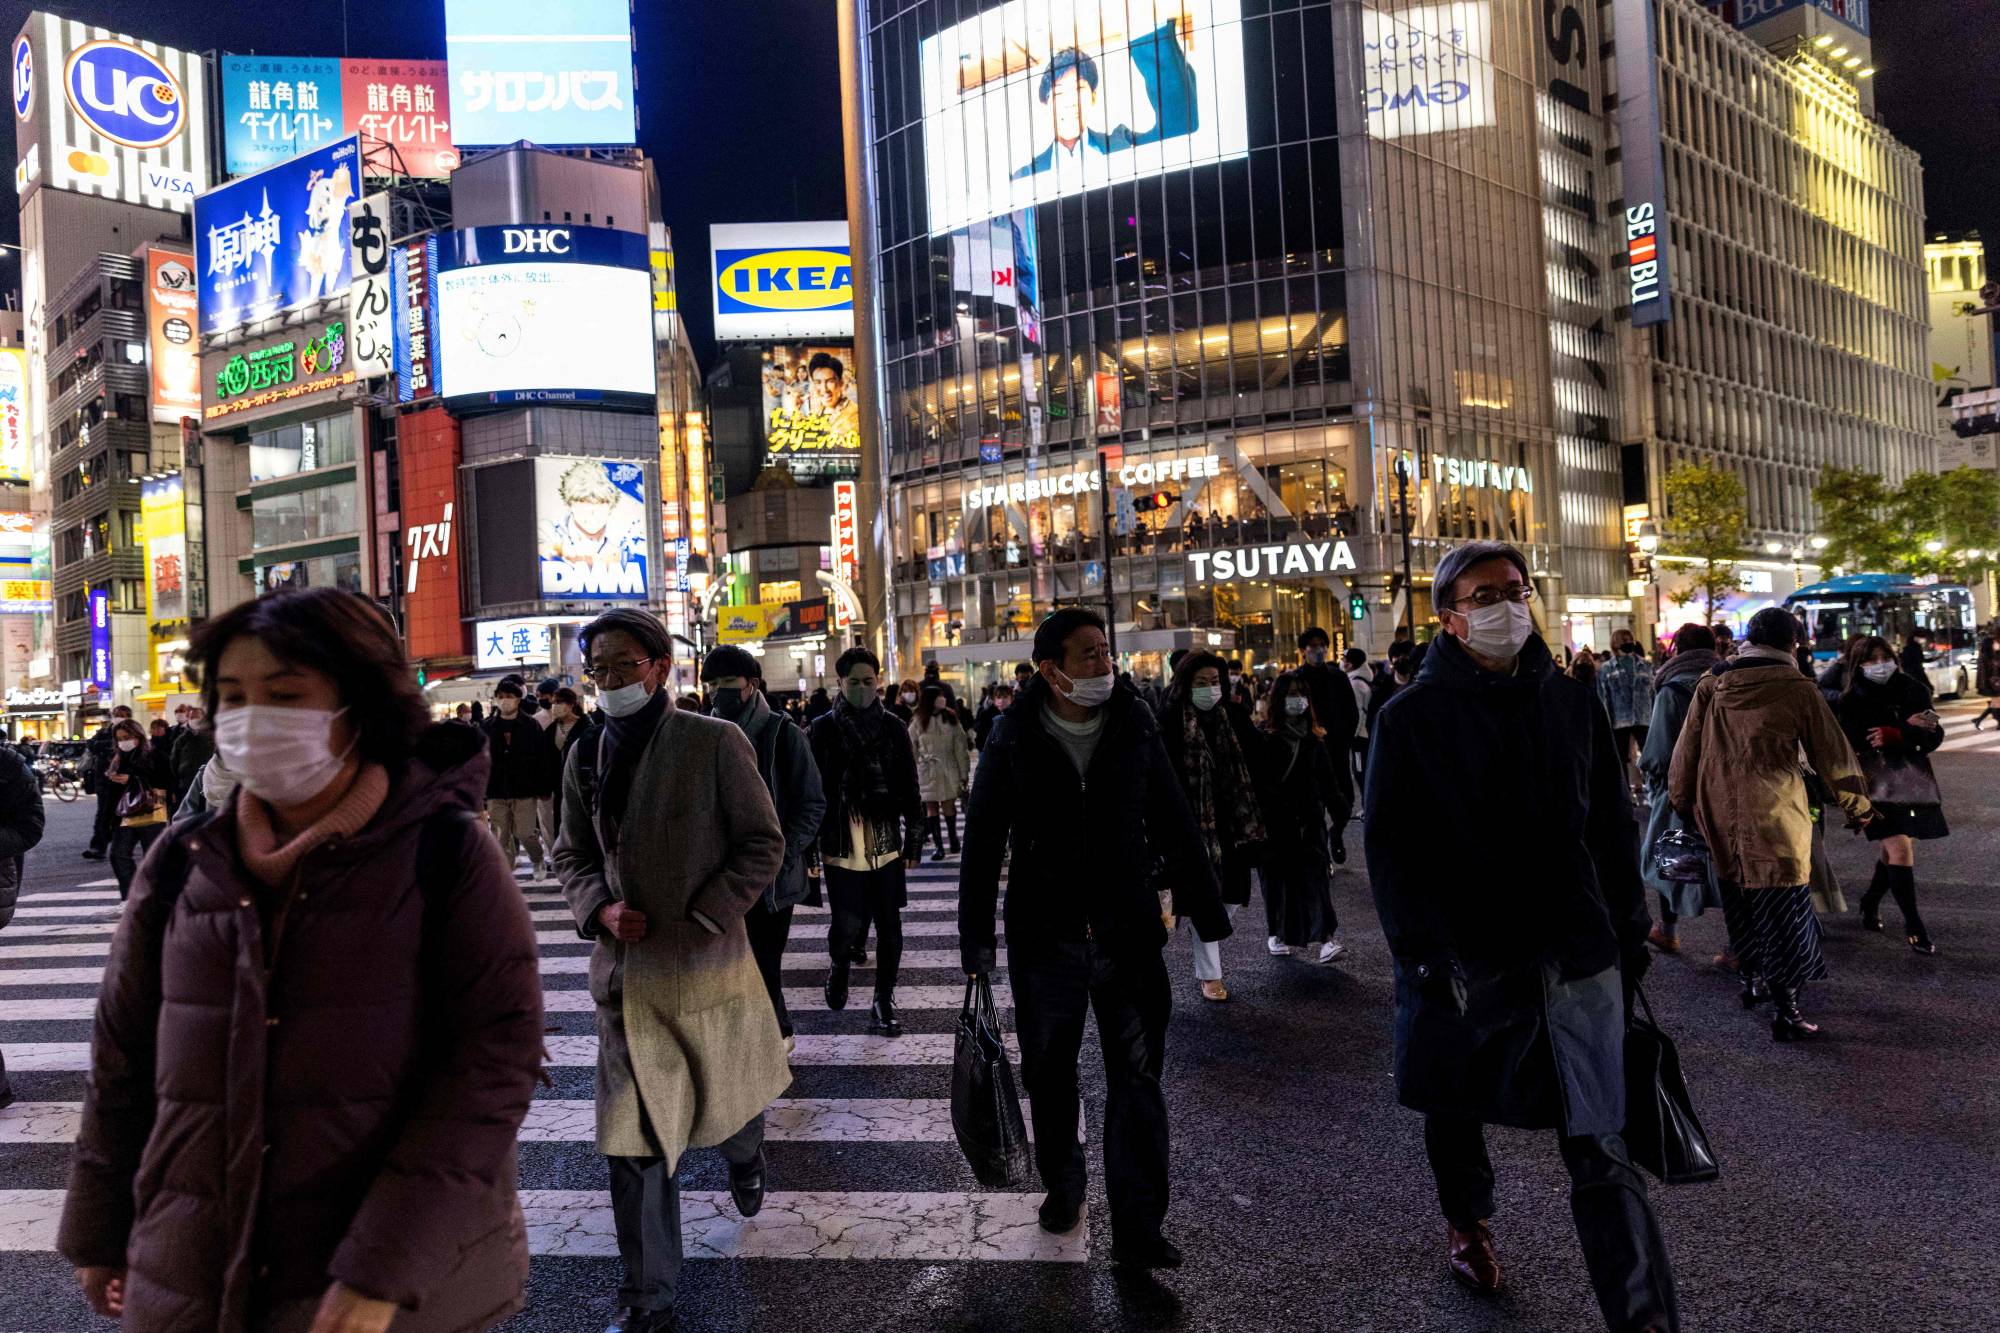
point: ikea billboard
(776, 281)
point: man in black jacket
(21, 820)
(1075, 776)
(1502, 858)
(785, 762)
(524, 774)
(100, 748)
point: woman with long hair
(321, 1021)
(1302, 795)
(1888, 721)
(944, 764)
(1209, 740)
(142, 776)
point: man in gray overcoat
(668, 839)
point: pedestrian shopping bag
(1662, 1131)
(985, 1109)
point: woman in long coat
(944, 764)
(1888, 721)
(321, 1021)
(1210, 741)
(1301, 795)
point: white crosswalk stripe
(51, 961)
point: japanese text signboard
(170, 325)
(276, 241)
(275, 108)
(370, 316)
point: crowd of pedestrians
(332, 1146)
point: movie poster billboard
(592, 541)
(812, 409)
(1034, 100)
(277, 240)
(170, 325)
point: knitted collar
(272, 862)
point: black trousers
(859, 897)
(646, 1210)
(769, 932)
(1622, 1245)
(1054, 982)
(106, 823)
(128, 848)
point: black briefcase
(1662, 1132)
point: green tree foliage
(1705, 520)
(1873, 527)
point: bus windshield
(1831, 624)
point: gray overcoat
(688, 1048)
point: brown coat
(688, 1048)
(1736, 777)
(340, 1102)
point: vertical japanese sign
(16, 422)
(276, 107)
(1110, 405)
(100, 640)
(697, 482)
(410, 293)
(371, 326)
(846, 543)
(170, 329)
(1645, 176)
(163, 515)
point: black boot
(933, 826)
(1754, 992)
(1903, 886)
(882, 1017)
(836, 987)
(951, 830)
(1871, 901)
(1789, 1024)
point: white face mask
(625, 700)
(1498, 631)
(1088, 691)
(909, 697)
(1879, 672)
(282, 755)
(128, 746)
(1296, 704)
(1206, 696)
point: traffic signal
(1157, 500)
(1357, 607)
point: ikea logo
(816, 279)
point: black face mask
(728, 705)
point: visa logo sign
(800, 279)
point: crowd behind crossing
(273, 1138)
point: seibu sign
(1088, 480)
(1275, 561)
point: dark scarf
(625, 739)
(1202, 758)
(864, 770)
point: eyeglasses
(603, 673)
(1513, 592)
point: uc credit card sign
(779, 280)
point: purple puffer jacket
(339, 1103)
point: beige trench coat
(687, 1045)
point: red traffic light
(1157, 500)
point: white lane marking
(77, 895)
(579, 963)
(94, 910)
(797, 998)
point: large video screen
(591, 540)
(1037, 99)
(553, 73)
(544, 314)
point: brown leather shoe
(1472, 1260)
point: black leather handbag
(1662, 1132)
(1900, 779)
(985, 1108)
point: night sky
(739, 106)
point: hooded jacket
(1735, 774)
(1673, 693)
(1083, 846)
(337, 1102)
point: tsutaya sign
(1087, 480)
(1480, 472)
(1276, 561)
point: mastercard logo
(89, 164)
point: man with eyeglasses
(668, 839)
(1505, 871)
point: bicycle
(58, 781)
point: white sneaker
(1277, 947)
(1329, 951)
(791, 1047)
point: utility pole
(1403, 508)
(1110, 588)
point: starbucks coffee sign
(1279, 560)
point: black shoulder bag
(1662, 1132)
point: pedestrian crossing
(864, 1130)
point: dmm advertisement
(557, 74)
(591, 544)
(783, 280)
(544, 314)
(812, 409)
(1037, 99)
(170, 324)
(277, 240)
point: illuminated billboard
(544, 314)
(103, 114)
(591, 544)
(782, 280)
(812, 409)
(554, 74)
(170, 335)
(276, 107)
(1427, 69)
(163, 515)
(16, 419)
(1037, 99)
(277, 240)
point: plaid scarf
(1241, 821)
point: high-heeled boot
(951, 830)
(1871, 901)
(1903, 887)
(1754, 991)
(932, 826)
(1789, 1024)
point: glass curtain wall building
(1172, 291)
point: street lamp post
(1403, 509)
(1648, 542)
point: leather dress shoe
(882, 1017)
(1472, 1259)
(836, 988)
(645, 1321)
(1059, 1214)
(746, 1185)
(1152, 1252)
(858, 955)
